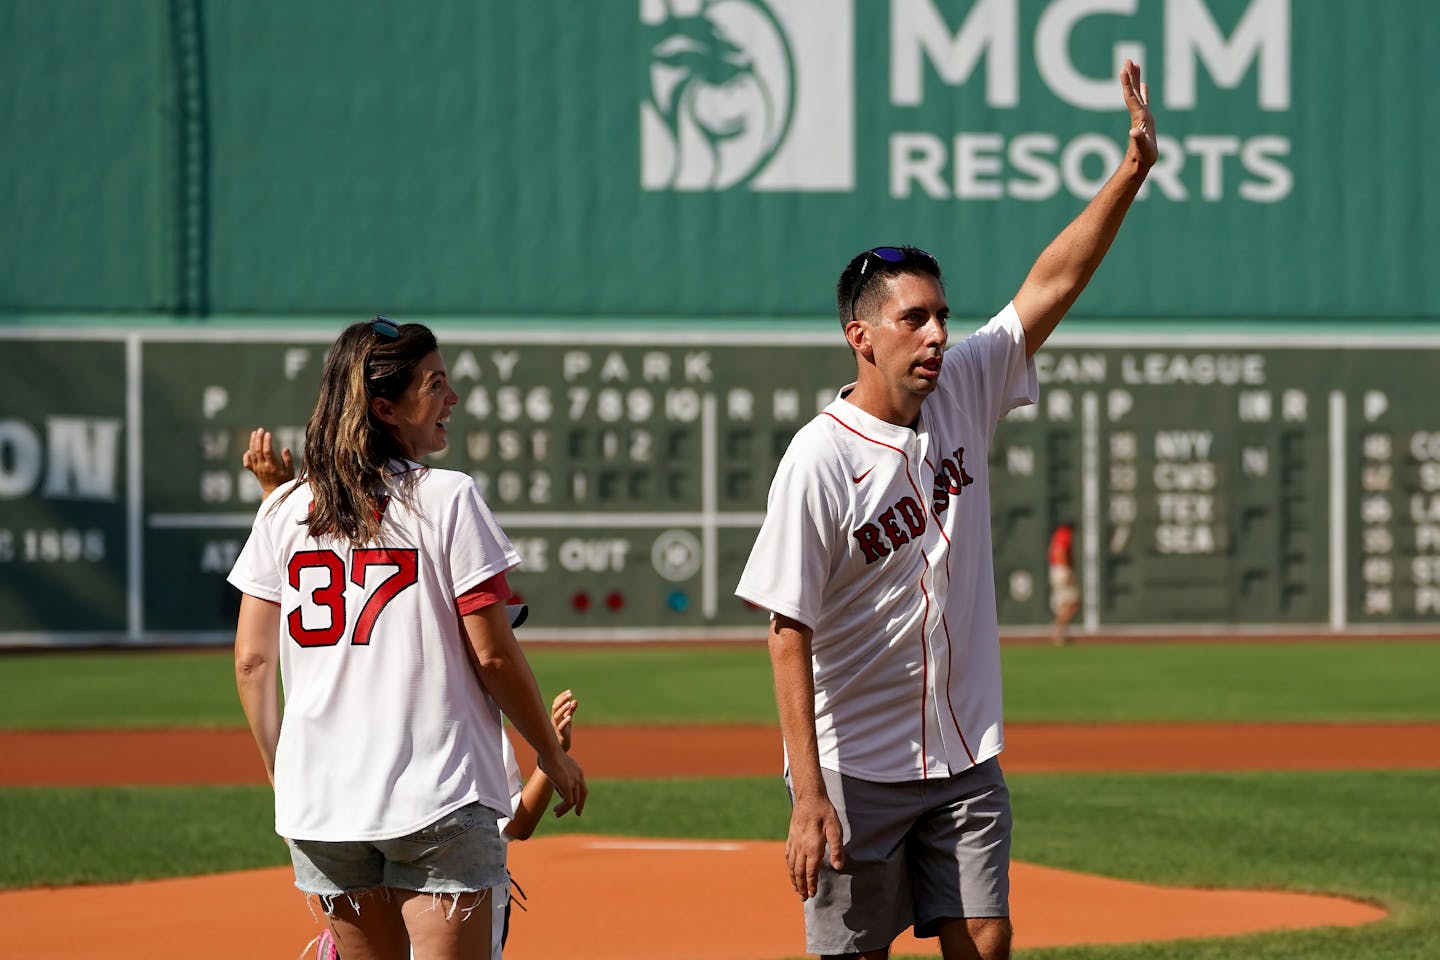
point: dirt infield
(671, 900)
(611, 898)
(89, 758)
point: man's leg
(979, 938)
(859, 909)
(1060, 635)
(1064, 602)
(960, 858)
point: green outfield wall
(685, 158)
(626, 219)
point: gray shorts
(459, 853)
(916, 853)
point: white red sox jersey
(386, 726)
(877, 537)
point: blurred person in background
(1064, 588)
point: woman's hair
(347, 450)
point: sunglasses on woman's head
(384, 327)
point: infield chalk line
(665, 845)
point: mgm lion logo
(722, 105)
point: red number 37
(330, 595)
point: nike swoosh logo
(863, 475)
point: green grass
(1387, 681)
(1371, 835)
(1290, 681)
(61, 836)
(662, 684)
(69, 835)
(119, 689)
(1368, 835)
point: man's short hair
(858, 293)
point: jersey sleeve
(257, 568)
(997, 375)
(477, 549)
(790, 562)
(484, 594)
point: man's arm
(814, 825)
(1067, 264)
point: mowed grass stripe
(1374, 681)
(1369, 835)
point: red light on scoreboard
(580, 602)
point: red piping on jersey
(940, 526)
(410, 467)
(925, 617)
(945, 625)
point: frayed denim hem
(352, 897)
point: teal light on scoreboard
(1216, 483)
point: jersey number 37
(325, 603)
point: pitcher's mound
(611, 898)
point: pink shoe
(325, 947)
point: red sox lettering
(904, 520)
(950, 478)
(889, 524)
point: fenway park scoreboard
(1218, 482)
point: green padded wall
(706, 158)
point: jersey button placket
(932, 762)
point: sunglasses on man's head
(385, 327)
(889, 255)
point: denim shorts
(459, 853)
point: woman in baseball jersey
(377, 585)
